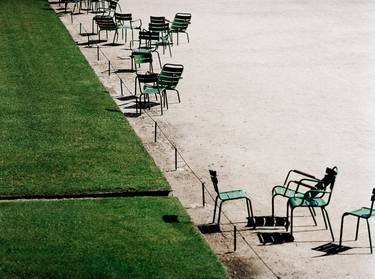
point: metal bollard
(122, 94)
(235, 238)
(109, 67)
(80, 28)
(175, 158)
(97, 52)
(155, 131)
(203, 195)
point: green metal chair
(314, 198)
(164, 36)
(147, 43)
(179, 24)
(126, 22)
(139, 59)
(169, 77)
(364, 213)
(308, 182)
(228, 196)
(150, 87)
(107, 23)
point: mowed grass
(102, 238)
(60, 131)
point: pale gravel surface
(268, 86)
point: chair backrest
(157, 19)
(170, 75)
(112, 6)
(147, 38)
(181, 22)
(162, 28)
(325, 184)
(123, 17)
(214, 180)
(106, 23)
(372, 200)
(142, 58)
(328, 179)
(147, 78)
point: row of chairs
(317, 195)
(159, 34)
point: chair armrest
(136, 20)
(304, 174)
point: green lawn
(60, 132)
(102, 238)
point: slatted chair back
(214, 180)
(372, 201)
(140, 58)
(180, 22)
(123, 17)
(106, 23)
(170, 75)
(148, 38)
(157, 19)
(161, 28)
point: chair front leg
(213, 219)
(329, 224)
(356, 232)
(369, 235)
(312, 215)
(342, 228)
(218, 219)
(324, 218)
(250, 210)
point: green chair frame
(308, 181)
(107, 23)
(126, 22)
(151, 87)
(180, 24)
(364, 213)
(147, 42)
(314, 198)
(228, 196)
(169, 78)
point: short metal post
(235, 239)
(109, 67)
(97, 52)
(155, 131)
(88, 40)
(80, 28)
(121, 87)
(203, 195)
(175, 158)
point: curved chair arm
(302, 183)
(134, 21)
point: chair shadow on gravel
(209, 228)
(273, 238)
(331, 249)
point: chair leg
(312, 215)
(178, 95)
(356, 232)
(249, 210)
(324, 218)
(273, 205)
(213, 219)
(218, 219)
(329, 224)
(341, 228)
(369, 235)
(291, 221)
(187, 36)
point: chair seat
(290, 193)
(363, 212)
(307, 202)
(232, 195)
(152, 90)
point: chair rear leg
(324, 218)
(250, 213)
(329, 224)
(218, 219)
(187, 36)
(312, 215)
(341, 228)
(356, 232)
(369, 235)
(178, 95)
(213, 219)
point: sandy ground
(268, 86)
